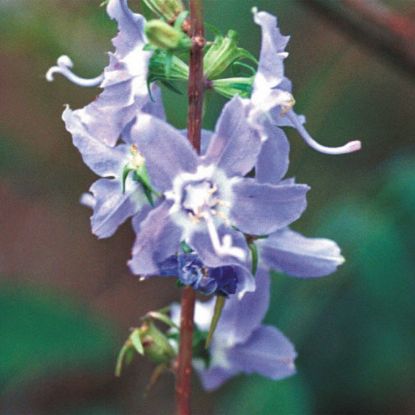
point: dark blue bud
(190, 269)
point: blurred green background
(67, 299)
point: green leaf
(254, 257)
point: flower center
(199, 199)
(136, 160)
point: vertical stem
(194, 124)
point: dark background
(67, 300)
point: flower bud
(167, 9)
(162, 35)
(156, 345)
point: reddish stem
(194, 125)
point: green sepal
(125, 172)
(180, 19)
(243, 65)
(217, 312)
(141, 176)
(254, 257)
(171, 87)
(135, 338)
(178, 70)
(229, 87)
(223, 52)
(126, 355)
(156, 315)
(185, 248)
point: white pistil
(64, 65)
(350, 147)
(225, 247)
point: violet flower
(241, 344)
(207, 197)
(271, 100)
(124, 80)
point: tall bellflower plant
(212, 209)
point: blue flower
(208, 201)
(124, 80)
(241, 344)
(271, 100)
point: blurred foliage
(353, 331)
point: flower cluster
(217, 221)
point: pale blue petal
(235, 146)
(240, 317)
(214, 377)
(100, 158)
(202, 244)
(259, 209)
(157, 239)
(292, 253)
(273, 159)
(271, 60)
(130, 26)
(125, 78)
(267, 352)
(166, 151)
(113, 207)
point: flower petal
(201, 242)
(113, 207)
(130, 26)
(157, 239)
(289, 252)
(235, 146)
(271, 61)
(259, 209)
(267, 352)
(100, 158)
(240, 317)
(166, 151)
(214, 377)
(125, 78)
(273, 160)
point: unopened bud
(162, 35)
(167, 9)
(156, 344)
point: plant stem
(194, 125)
